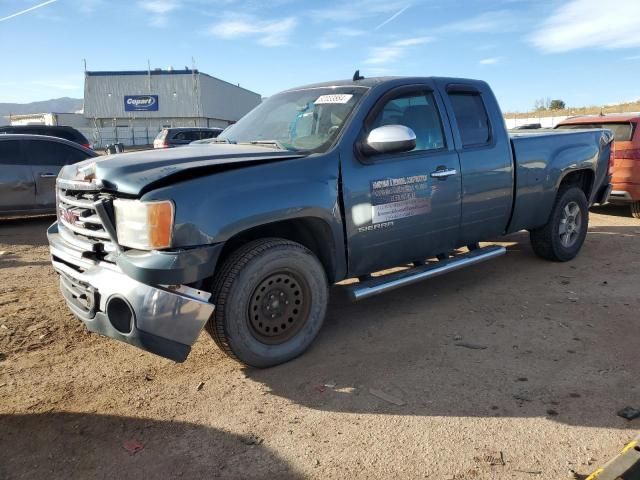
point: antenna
(357, 76)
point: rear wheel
(271, 297)
(562, 237)
(635, 209)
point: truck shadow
(613, 210)
(82, 445)
(514, 337)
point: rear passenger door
(17, 188)
(485, 162)
(46, 158)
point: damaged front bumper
(162, 319)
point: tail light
(86, 145)
(612, 156)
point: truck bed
(536, 155)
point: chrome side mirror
(391, 139)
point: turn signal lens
(144, 225)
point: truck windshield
(622, 132)
(308, 119)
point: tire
(571, 214)
(635, 209)
(271, 297)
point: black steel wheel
(279, 307)
(271, 297)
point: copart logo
(136, 103)
(141, 101)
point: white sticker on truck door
(394, 198)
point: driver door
(400, 207)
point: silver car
(29, 165)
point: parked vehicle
(29, 165)
(68, 133)
(528, 126)
(315, 185)
(175, 137)
(626, 154)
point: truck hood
(138, 172)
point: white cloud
(589, 24)
(270, 33)
(350, 10)
(632, 57)
(327, 45)
(390, 53)
(159, 9)
(490, 61)
(409, 42)
(498, 21)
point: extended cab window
(418, 112)
(471, 117)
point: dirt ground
(386, 391)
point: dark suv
(29, 165)
(175, 137)
(68, 133)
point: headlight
(144, 225)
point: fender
(214, 208)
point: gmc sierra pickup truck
(316, 185)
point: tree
(557, 105)
(539, 105)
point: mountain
(57, 105)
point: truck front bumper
(165, 320)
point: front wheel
(271, 297)
(562, 237)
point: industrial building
(133, 106)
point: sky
(585, 52)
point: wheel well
(582, 179)
(313, 233)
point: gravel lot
(390, 389)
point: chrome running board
(376, 285)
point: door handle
(444, 173)
(48, 175)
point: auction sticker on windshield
(333, 98)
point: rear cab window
(472, 118)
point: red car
(626, 156)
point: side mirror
(390, 139)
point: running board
(376, 285)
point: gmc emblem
(68, 216)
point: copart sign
(141, 103)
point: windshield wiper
(269, 143)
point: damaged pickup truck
(318, 184)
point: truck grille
(81, 225)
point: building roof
(158, 72)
